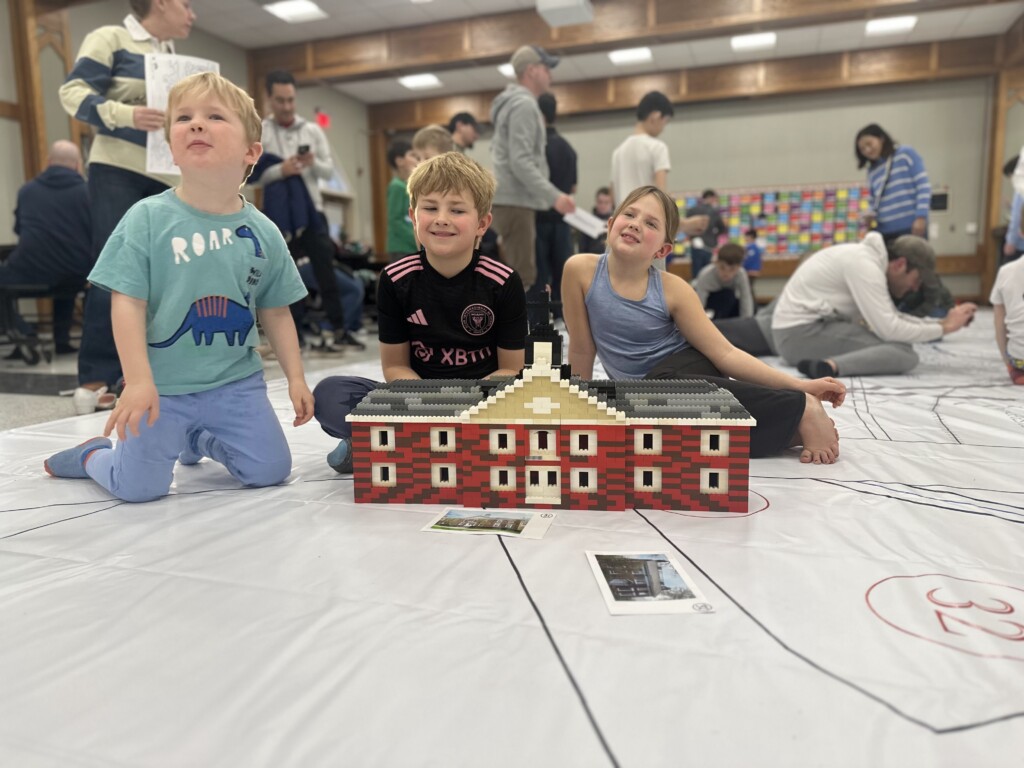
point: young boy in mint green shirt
(403, 159)
(190, 271)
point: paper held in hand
(163, 72)
(586, 222)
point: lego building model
(547, 439)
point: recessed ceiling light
(507, 70)
(296, 11)
(630, 55)
(421, 2)
(755, 42)
(893, 25)
(420, 82)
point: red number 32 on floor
(976, 617)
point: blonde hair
(450, 173)
(433, 137)
(667, 204)
(241, 103)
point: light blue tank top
(630, 336)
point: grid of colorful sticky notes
(793, 220)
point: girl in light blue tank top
(631, 335)
(632, 316)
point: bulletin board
(790, 220)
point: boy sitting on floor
(446, 312)
(723, 287)
(190, 270)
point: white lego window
(383, 475)
(713, 481)
(647, 479)
(714, 443)
(583, 480)
(543, 442)
(442, 476)
(382, 438)
(647, 441)
(503, 479)
(582, 443)
(502, 441)
(442, 439)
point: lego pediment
(545, 398)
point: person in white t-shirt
(836, 316)
(643, 159)
(1008, 308)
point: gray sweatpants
(853, 348)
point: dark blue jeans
(554, 247)
(112, 191)
(699, 258)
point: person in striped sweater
(901, 195)
(106, 88)
(898, 182)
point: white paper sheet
(586, 222)
(163, 72)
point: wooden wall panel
(501, 34)
(890, 64)
(290, 57)
(427, 44)
(396, 115)
(803, 73)
(701, 12)
(966, 54)
(627, 91)
(440, 110)
(616, 20)
(578, 98)
(1013, 43)
(716, 82)
(356, 51)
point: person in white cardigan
(836, 314)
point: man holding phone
(302, 150)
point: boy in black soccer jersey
(446, 312)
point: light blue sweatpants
(241, 431)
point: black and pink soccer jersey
(455, 325)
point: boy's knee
(136, 493)
(266, 474)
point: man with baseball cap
(836, 316)
(520, 165)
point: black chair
(33, 348)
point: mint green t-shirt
(203, 277)
(401, 235)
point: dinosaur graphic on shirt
(248, 234)
(211, 315)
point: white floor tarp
(866, 613)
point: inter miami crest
(477, 319)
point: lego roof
(683, 400)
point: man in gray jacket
(520, 165)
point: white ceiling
(246, 24)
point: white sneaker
(92, 400)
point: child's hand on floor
(132, 406)
(302, 402)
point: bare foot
(818, 435)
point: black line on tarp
(561, 658)
(815, 665)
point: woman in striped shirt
(898, 181)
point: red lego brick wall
(680, 461)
